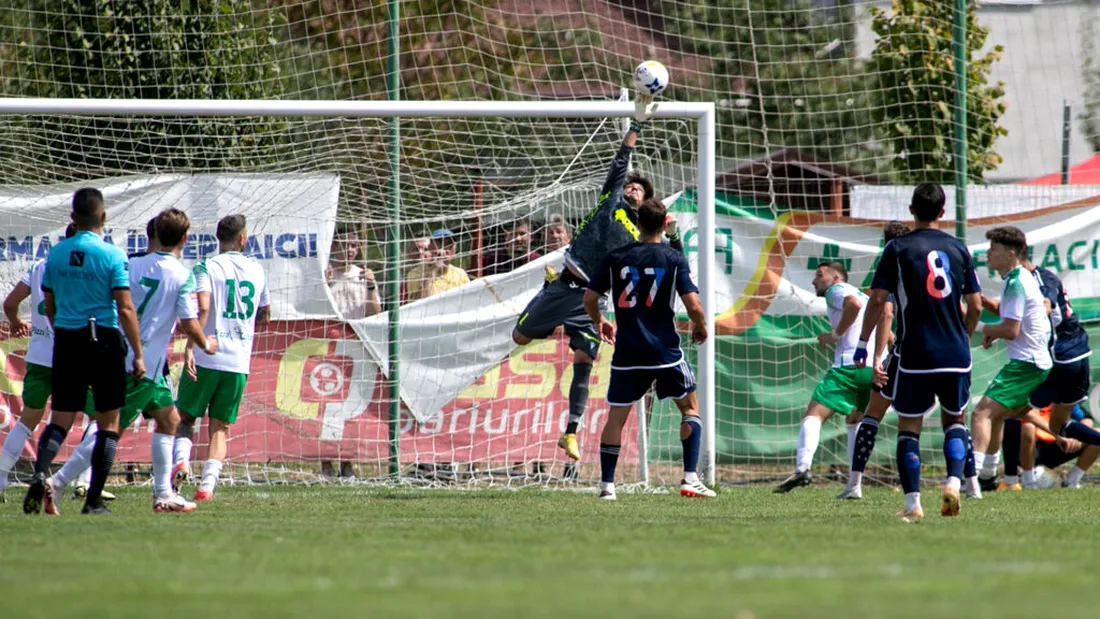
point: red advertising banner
(314, 394)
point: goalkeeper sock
(808, 438)
(78, 463)
(48, 445)
(865, 444)
(13, 447)
(210, 473)
(103, 458)
(609, 459)
(1081, 432)
(1010, 444)
(693, 428)
(161, 447)
(578, 395)
(908, 456)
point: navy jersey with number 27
(929, 272)
(645, 279)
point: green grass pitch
(337, 552)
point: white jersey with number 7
(238, 289)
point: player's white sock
(1075, 476)
(808, 438)
(13, 447)
(210, 473)
(852, 429)
(954, 483)
(607, 486)
(1012, 479)
(979, 460)
(912, 500)
(1028, 477)
(79, 463)
(973, 488)
(691, 478)
(161, 447)
(181, 451)
(855, 479)
(988, 467)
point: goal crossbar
(703, 113)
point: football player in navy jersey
(930, 273)
(644, 279)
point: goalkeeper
(612, 223)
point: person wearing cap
(438, 274)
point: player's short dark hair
(87, 207)
(651, 216)
(839, 267)
(151, 228)
(1010, 237)
(230, 227)
(928, 201)
(172, 226)
(70, 231)
(893, 230)
(647, 187)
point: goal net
(827, 113)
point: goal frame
(702, 113)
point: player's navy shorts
(1067, 383)
(915, 395)
(890, 366)
(1049, 455)
(628, 386)
(80, 363)
(561, 303)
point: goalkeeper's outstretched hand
(644, 109)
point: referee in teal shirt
(87, 290)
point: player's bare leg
(809, 435)
(215, 459)
(611, 439)
(181, 450)
(53, 436)
(165, 499)
(691, 436)
(866, 432)
(578, 401)
(1084, 462)
(16, 441)
(986, 424)
(908, 455)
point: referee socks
(103, 458)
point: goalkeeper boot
(695, 490)
(175, 503)
(32, 503)
(50, 500)
(568, 442)
(796, 480)
(951, 502)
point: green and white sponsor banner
(769, 316)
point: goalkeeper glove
(644, 108)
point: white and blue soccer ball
(650, 78)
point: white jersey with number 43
(238, 289)
(40, 350)
(163, 291)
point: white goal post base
(702, 113)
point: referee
(87, 292)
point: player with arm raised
(164, 291)
(232, 298)
(845, 388)
(930, 273)
(644, 279)
(611, 224)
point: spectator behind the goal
(514, 252)
(353, 288)
(438, 275)
(557, 234)
(418, 253)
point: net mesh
(828, 112)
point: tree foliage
(914, 94)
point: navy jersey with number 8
(929, 272)
(644, 280)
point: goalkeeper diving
(611, 224)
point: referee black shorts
(79, 363)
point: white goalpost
(323, 195)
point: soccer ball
(650, 78)
(1043, 478)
